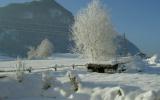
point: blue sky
(139, 19)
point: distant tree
(31, 53)
(43, 50)
(93, 32)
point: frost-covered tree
(93, 32)
(31, 53)
(43, 50)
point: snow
(5, 58)
(136, 64)
(139, 82)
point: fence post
(73, 66)
(29, 69)
(55, 67)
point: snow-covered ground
(131, 85)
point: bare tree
(93, 32)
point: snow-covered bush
(31, 53)
(93, 33)
(53, 93)
(20, 68)
(74, 80)
(154, 59)
(45, 49)
(71, 86)
(47, 80)
(80, 96)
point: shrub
(74, 80)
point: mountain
(27, 24)
(125, 46)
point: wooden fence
(30, 69)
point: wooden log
(102, 68)
(3, 76)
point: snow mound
(117, 93)
(135, 65)
(108, 94)
(30, 86)
(150, 95)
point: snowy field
(131, 85)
